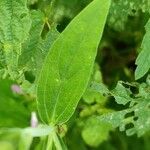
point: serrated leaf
(35, 62)
(35, 48)
(67, 68)
(135, 119)
(139, 121)
(45, 46)
(14, 27)
(121, 94)
(121, 9)
(14, 21)
(100, 88)
(30, 47)
(143, 60)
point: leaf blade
(63, 83)
(143, 60)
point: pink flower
(16, 89)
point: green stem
(57, 142)
(50, 142)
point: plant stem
(57, 142)
(50, 142)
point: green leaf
(67, 68)
(121, 9)
(14, 21)
(143, 60)
(95, 132)
(45, 46)
(100, 87)
(35, 48)
(135, 119)
(91, 96)
(14, 28)
(30, 47)
(121, 94)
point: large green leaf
(67, 68)
(143, 60)
(14, 27)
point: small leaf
(100, 87)
(143, 60)
(68, 65)
(121, 94)
(98, 134)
